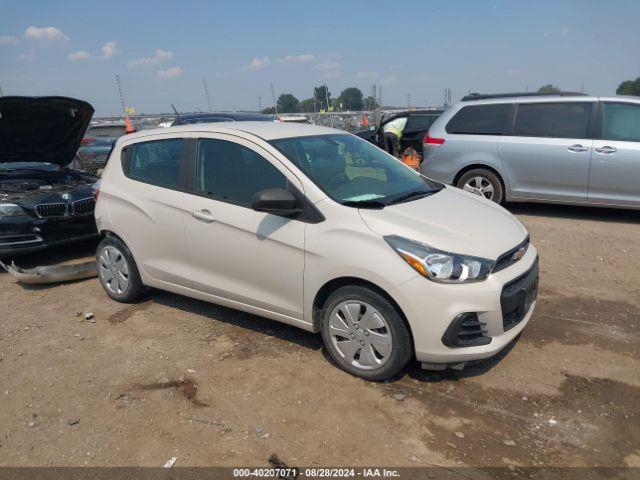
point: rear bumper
(431, 307)
(25, 234)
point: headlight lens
(10, 210)
(438, 265)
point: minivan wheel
(365, 334)
(117, 271)
(482, 182)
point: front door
(253, 258)
(547, 155)
(615, 163)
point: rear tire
(364, 333)
(117, 271)
(484, 183)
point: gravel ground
(171, 376)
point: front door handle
(203, 215)
(578, 148)
(606, 149)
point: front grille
(466, 330)
(512, 256)
(517, 297)
(83, 207)
(47, 210)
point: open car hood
(42, 129)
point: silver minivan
(559, 148)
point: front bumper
(430, 308)
(25, 234)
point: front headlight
(10, 210)
(438, 265)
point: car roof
(238, 116)
(549, 99)
(265, 130)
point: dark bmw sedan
(42, 202)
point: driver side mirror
(276, 201)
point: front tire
(483, 182)
(117, 271)
(364, 333)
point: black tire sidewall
(490, 176)
(402, 347)
(135, 288)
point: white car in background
(320, 229)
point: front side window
(480, 120)
(621, 121)
(555, 120)
(354, 172)
(156, 162)
(233, 173)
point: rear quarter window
(480, 120)
(156, 162)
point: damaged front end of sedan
(43, 203)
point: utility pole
(206, 93)
(408, 101)
(1, 93)
(259, 104)
(326, 94)
(122, 104)
(273, 95)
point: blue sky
(163, 50)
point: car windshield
(354, 172)
(46, 167)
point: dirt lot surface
(172, 376)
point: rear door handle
(203, 215)
(606, 149)
(578, 148)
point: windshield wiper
(412, 196)
(364, 204)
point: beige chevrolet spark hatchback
(319, 229)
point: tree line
(350, 98)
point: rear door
(235, 252)
(615, 162)
(150, 206)
(548, 152)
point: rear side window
(419, 123)
(621, 121)
(480, 120)
(109, 131)
(156, 162)
(233, 173)
(556, 120)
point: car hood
(451, 220)
(42, 129)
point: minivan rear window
(555, 120)
(480, 120)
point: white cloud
(160, 56)
(303, 58)
(8, 40)
(79, 56)
(257, 63)
(47, 34)
(110, 50)
(367, 75)
(170, 72)
(390, 79)
(546, 34)
(564, 30)
(330, 69)
(28, 56)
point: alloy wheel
(480, 186)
